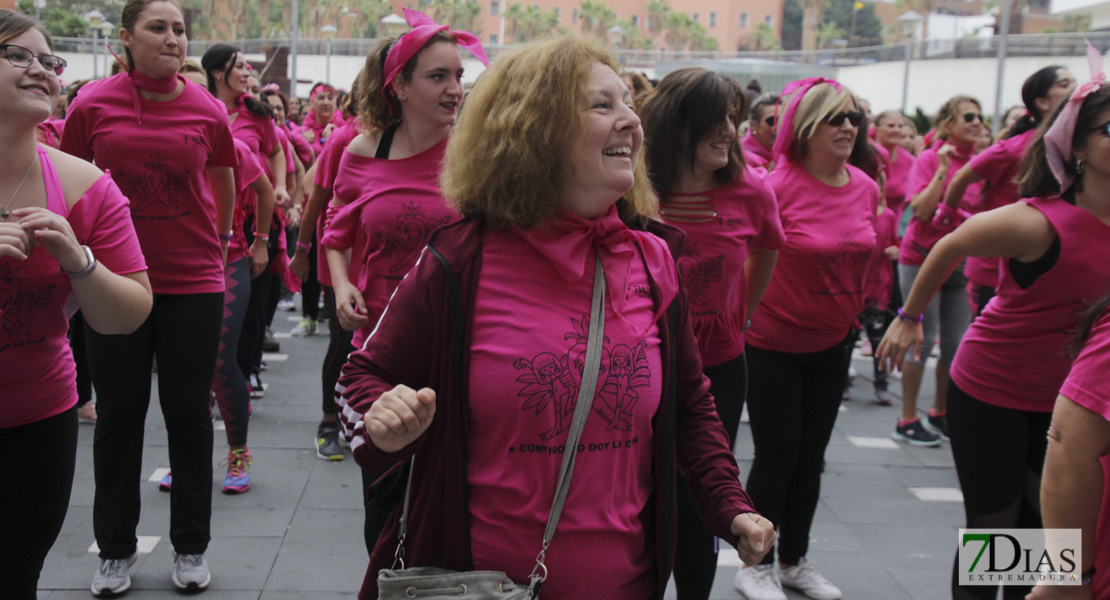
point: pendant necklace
(4, 212)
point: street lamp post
(106, 30)
(909, 21)
(329, 34)
(39, 5)
(95, 18)
(1004, 35)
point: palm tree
(657, 11)
(828, 32)
(812, 12)
(597, 18)
(700, 40)
(763, 38)
(678, 31)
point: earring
(1078, 167)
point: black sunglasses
(22, 58)
(855, 118)
(769, 121)
(972, 117)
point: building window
(558, 14)
(574, 17)
(493, 39)
(713, 19)
(768, 20)
(696, 17)
(743, 19)
(494, 7)
(636, 21)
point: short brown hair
(375, 111)
(948, 113)
(684, 109)
(504, 162)
(13, 24)
(130, 15)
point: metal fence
(1063, 44)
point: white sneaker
(304, 328)
(805, 578)
(111, 576)
(190, 572)
(760, 582)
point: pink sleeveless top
(1013, 354)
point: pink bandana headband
(319, 90)
(797, 90)
(423, 28)
(1057, 140)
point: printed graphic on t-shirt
(551, 382)
(698, 273)
(157, 190)
(843, 270)
(403, 241)
(18, 303)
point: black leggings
(229, 384)
(999, 455)
(80, 358)
(310, 287)
(254, 326)
(875, 322)
(339, 346)
(695, 563)
(793, 401)
(183, 332)
(34, 497)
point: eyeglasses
(769, 121)
(972, 117)
(22, 58)
(855, 118)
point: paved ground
(885, 527)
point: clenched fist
(399, 417)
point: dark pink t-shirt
(38, 378)
(754, 152)
(1013, 353)
(898, 181)
(160, 166)
(881, 275)
(922, 235)
(817, 290)
(711, 263)
(1000, 164)
(246, 173)
(327, 169)
(1088, 385)
(530, 326)
(393, 206)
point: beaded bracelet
(224, 236)
(306, 246)
(262, 236)
(908, 319)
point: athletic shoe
(254, 382)
(852, 373)
(238, 479)
(883, 397)
(111, 576)
(306, 327)
(805, 578)
(263, 365)
(760, 582)
(327, 442)
(915, 433)
(287, 305)
(269, 344)
(87, 413)
(166, 483)
(938, 423)
(190, 572)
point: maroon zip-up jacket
(422, 341)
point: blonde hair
(950, 111)
(820, 102)
(505, 161)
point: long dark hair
(220, 58)
(685, 108)
(864, 156)
(1036, 86)
(1036, 179)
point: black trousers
(34, 497)
(80, 358)
(999, 455)
(183, 332)
(254, 325)
(339, 347)
(793, 401)
(310, 287)
(695, 564)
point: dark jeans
(695, 563)
(229, 384)
(793, 400)
(183, 332)
(34, 497)
(339, 346)
(999, 455)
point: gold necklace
(4, 212)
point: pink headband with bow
(423, 28)
(784, 140)
(271, 87)
(1058, 138)
(319, 90)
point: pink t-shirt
(327, 169)
(317, 128)
(38, 378)
(754, 152)
(922, 235)
(1013, 353)
(880, 277)
(160, 166)
(1000, 164)
(245, 174)
(1088, 385)
(393, 206)
(292, 132)
(530, 327)
(817, 290)
(50, 132)
(898, 181)
(711, 263)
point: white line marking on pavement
(282, 335)
(937, 494)
(275, 357)
(873, 442)
(146, 544)
(157, 475)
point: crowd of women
(695, 247)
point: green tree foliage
(761, 39)
(596, 19)
(791, 25)
(64, 17)
(869, 29)
(525, 24)
(459, 14)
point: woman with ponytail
(168, 146)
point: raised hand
(399, 417)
